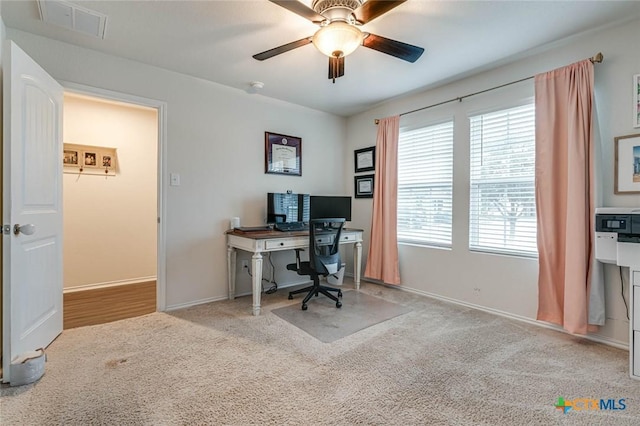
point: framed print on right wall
(626, 177)
(636, 100)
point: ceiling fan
(339, 34)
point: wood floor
(101, 305)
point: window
(502, 205)
(425, 185)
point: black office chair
(324, 259)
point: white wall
(110, 223)
(216, 143)
(503, 283)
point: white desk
(268, 241)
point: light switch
(174, 179)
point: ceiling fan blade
(281, 49)
(336, 68)
(371, 9)
(300, 9)
(407, 52)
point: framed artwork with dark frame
(636, 100)
(282, 154)
(626, 176)
(363, 186)
(365, 159)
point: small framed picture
(282, 154)
(107, 161)
(365, 159)
(90, 159)
(364, 186)
(627, 165)
(636, 100)
(70, 157)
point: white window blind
(502, 203)
(425, 185)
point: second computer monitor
(330, 206)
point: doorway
(112, 205)
(32, 313)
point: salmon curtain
(565, 194)
(382, 261)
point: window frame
(529, 101)
(418, 126)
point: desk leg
(231, 271)
(357, 263)
(256, 269)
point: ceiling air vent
(73, 17)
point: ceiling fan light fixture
(337, 39)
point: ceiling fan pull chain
(334, 68)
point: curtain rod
(594, 59)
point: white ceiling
(215, 40)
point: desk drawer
(348, 237)
(324, 240)
(281, 244)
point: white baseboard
(280, 286)
(194, 303)
(109, 284)
(218, 299)
(594, 337)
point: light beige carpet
(438, 364)
(327, 323)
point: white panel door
(32, 206)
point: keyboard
(291, 226)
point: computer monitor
(287, 207)
(330, 206)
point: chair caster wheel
(339, 293)
(304, 306)
(338, 304)
(290, 297)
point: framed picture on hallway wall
(627, 165)
(86, 159)
(636, 100)
(70, 157)
(90, 158)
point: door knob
(27, 229)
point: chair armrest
(295, 266)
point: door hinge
(6, 229)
